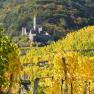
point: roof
(43, 39)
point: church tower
(31, 36)
(24, 31)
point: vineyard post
(35, 85)
(85, 87)
(62, 81)
(89, 88)
(65, 76)
(71, 88)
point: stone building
(36, 34)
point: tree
(9, 61)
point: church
(36, 34)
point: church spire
(34, 23)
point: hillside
(70, 57)
(77, 40)
(46, 46)
(58, 17)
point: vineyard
(46, 46)
(64, 67)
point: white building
(36, 34)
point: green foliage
(64, 15)
(9, 59)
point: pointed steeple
(34, 23)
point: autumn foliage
(69, 66)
